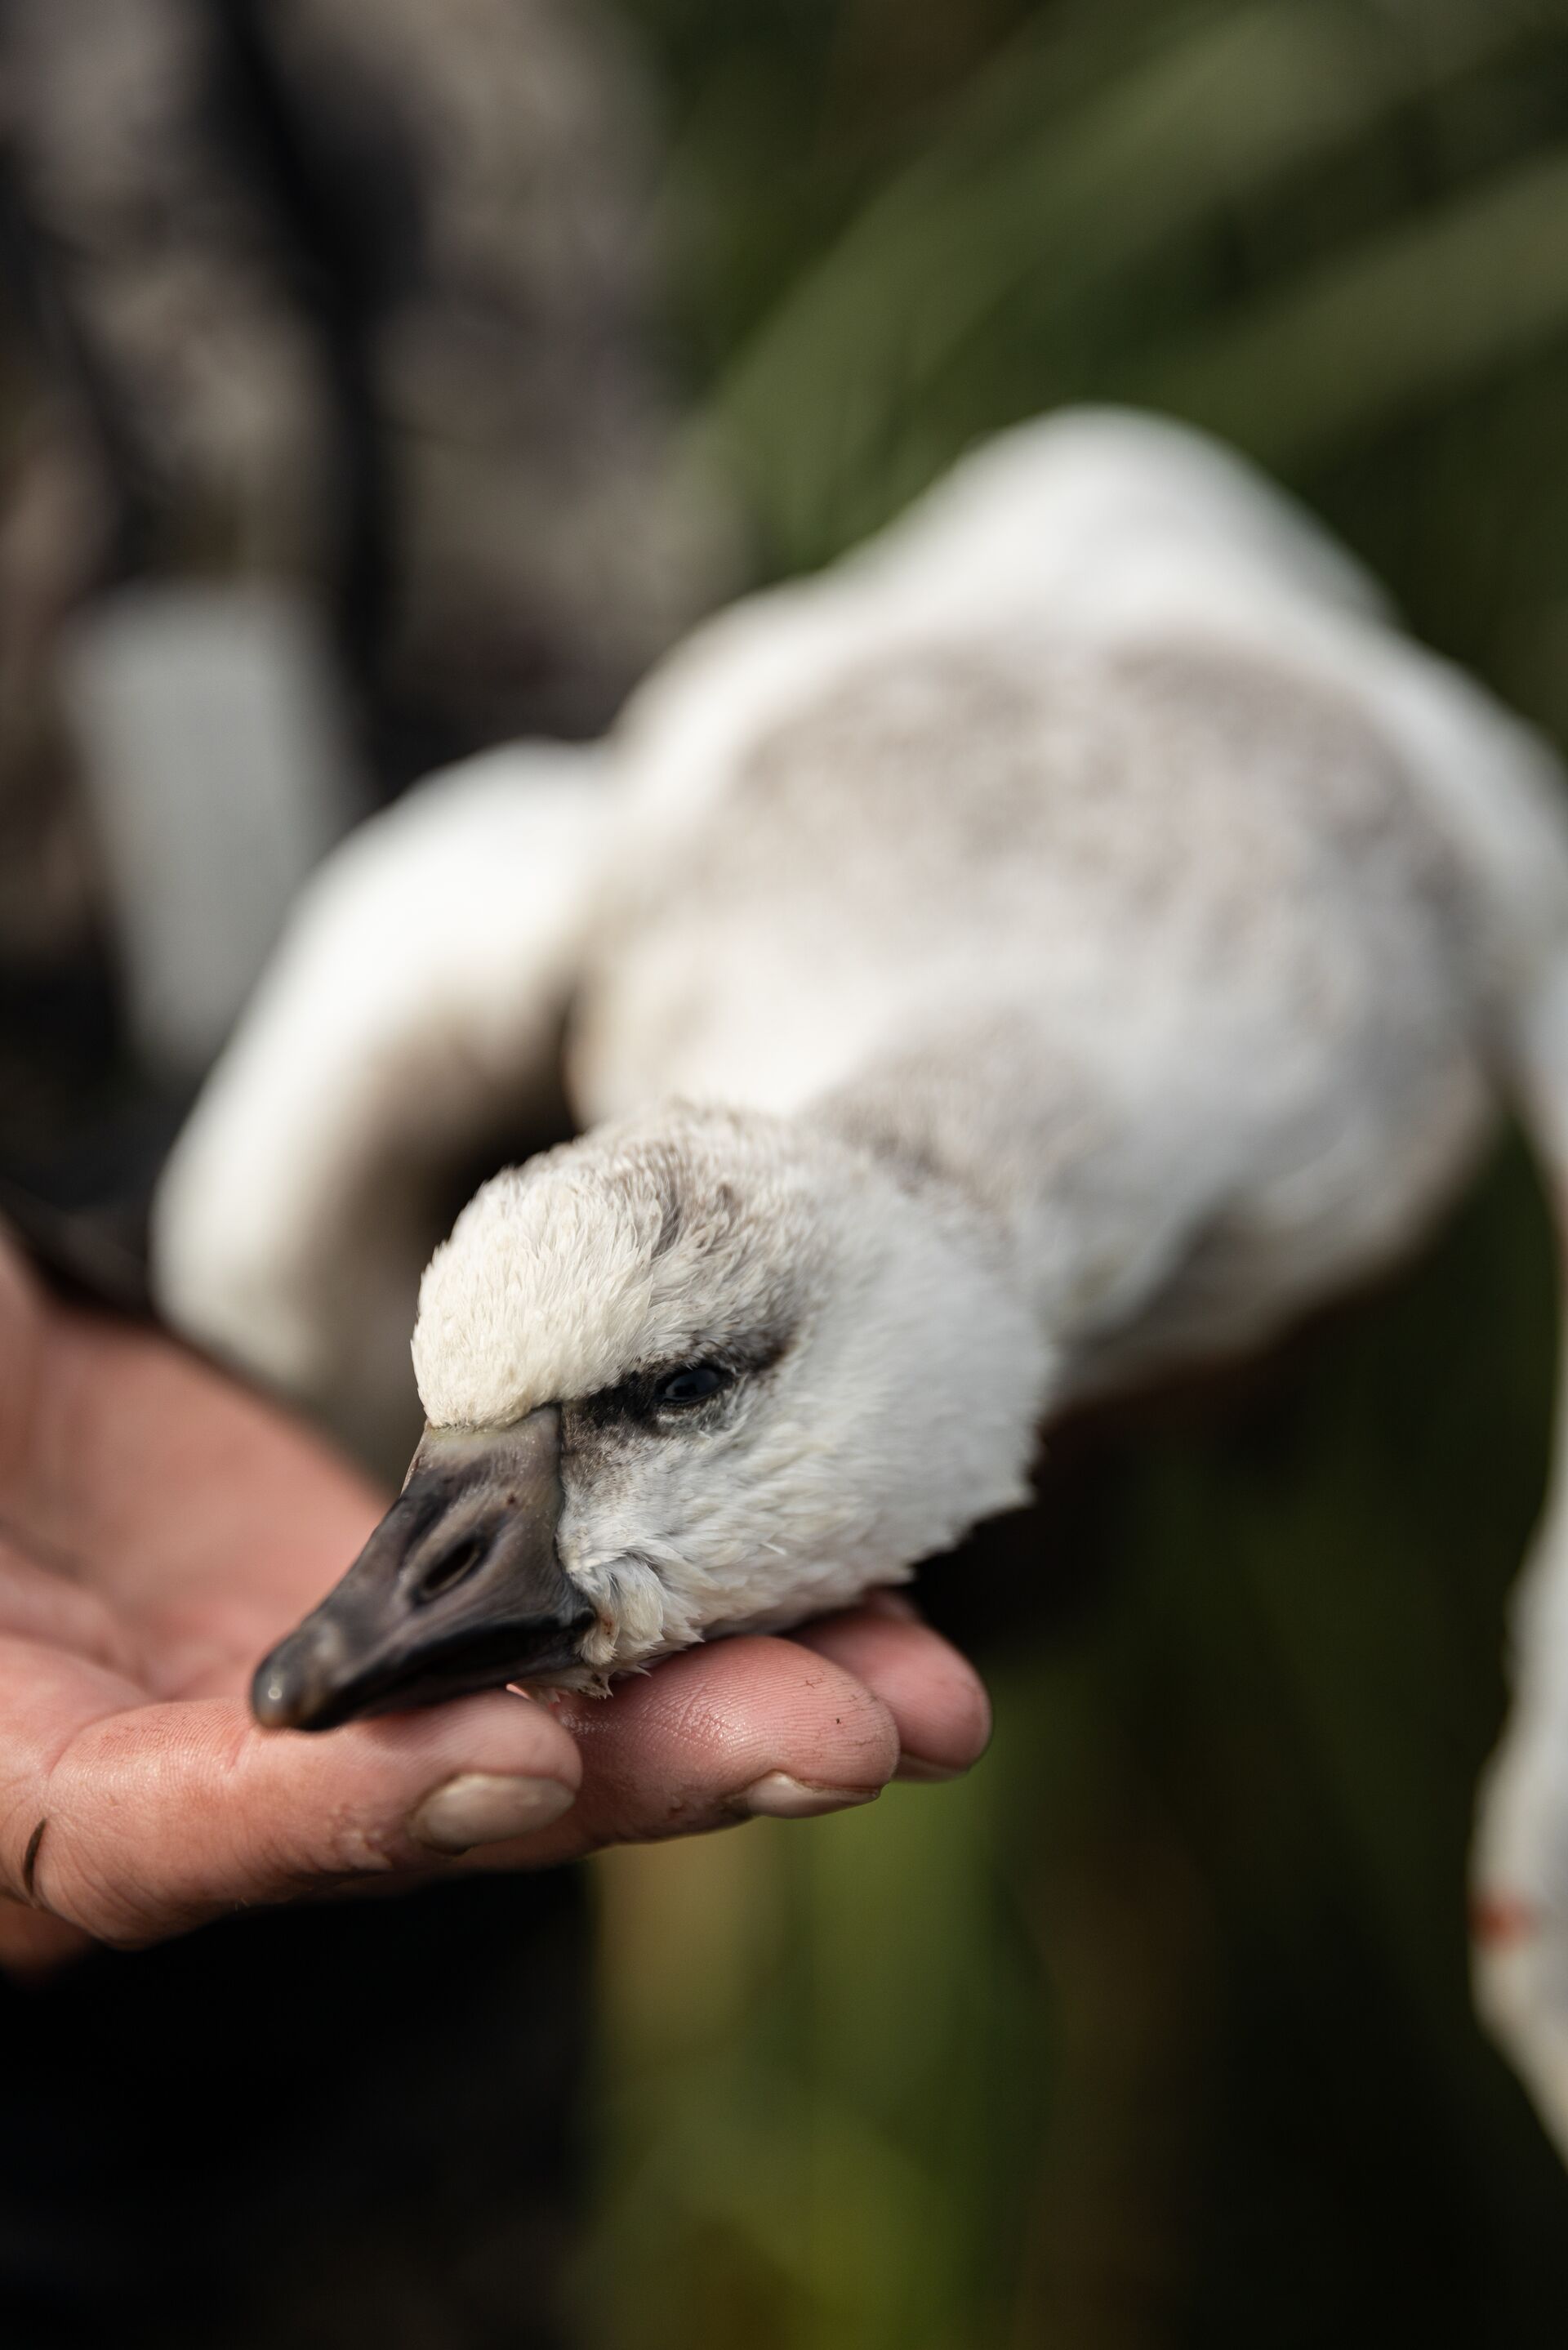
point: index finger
(134, 1821)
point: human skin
(161, 1526)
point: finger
(147, 1819)
(744, 1729)
(934, 1695)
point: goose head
(700, 1371)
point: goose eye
(693, 1383)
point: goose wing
(406, 1036)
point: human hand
(161, 1526)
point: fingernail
(916, 1771)
(481, 1807)
(780, 1797)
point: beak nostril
(450, 1569)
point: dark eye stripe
(673, 1388)
(645, 1395)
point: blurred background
(376, 384)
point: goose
(1070, 937)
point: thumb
(154, 1818)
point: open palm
(160, 1525)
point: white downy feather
(1076, 932)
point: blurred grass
(1155, 2032)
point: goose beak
(458, 1588)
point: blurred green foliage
(1155, 2031)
